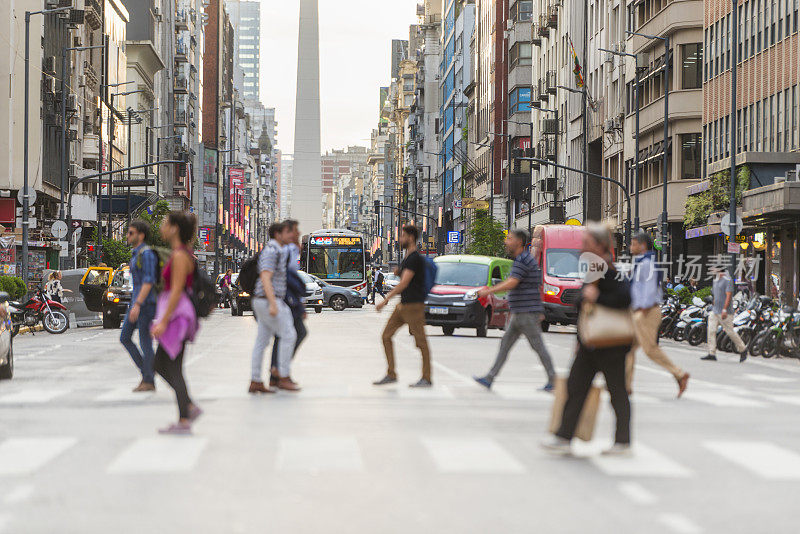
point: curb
(28, 329)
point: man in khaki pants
(722, 314)
(646, 297)
(410, 311)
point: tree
(153, 217)
(486, 235)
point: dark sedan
(339, 298)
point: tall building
(287, 167)
(306, 180)
(245, 17)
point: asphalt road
(79, 452)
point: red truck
(557, 248)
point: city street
(79, 452)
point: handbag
(588, 417)
(601, 327)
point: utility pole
(734, 180)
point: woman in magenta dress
(176, 322)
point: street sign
(31, 196)
(457, 203)
(733, 248)
(725, 224)
(573, 222)
(471, 203)
(453, 237)
(59, 230)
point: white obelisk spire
(307, 177)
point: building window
(522, 11)
(691, 74)
(795, 118)
(521, 54)
(519, 100)
(690, 156)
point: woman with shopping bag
(605, 336)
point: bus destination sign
(328, 241)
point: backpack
(248, 274)
(379, 281)
(162, 257)
(204, 292)
(430, 274)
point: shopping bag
(586, 421)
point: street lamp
(664, 220)
(25, 192)
(636, 133)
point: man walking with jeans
(272, 313)
(410, 311)
(143, 268)
(722, 314)
(646, 298)
(526, 308)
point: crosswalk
(449, 455)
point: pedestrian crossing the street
(469, 455)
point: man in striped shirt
(526, 308)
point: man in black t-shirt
(410, 311)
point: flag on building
(577, 70)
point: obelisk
(307, 176)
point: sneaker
(180, 429)
(709, 358)
(194, 413)
(259, 387)
(485, 381)
(421, 383)
(385, 380)
(549, 387)
(743, 356)
(618, 449)
(682, 383)
(557, 445)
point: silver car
(316, 297)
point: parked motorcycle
(39, 308)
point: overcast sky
(355, 42)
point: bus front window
(336, 262)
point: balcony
(781, 199)
(181, 84)
(181, 51)
(93, 14)
(550, 81)
(181, 117)
(542, 90)
(542, 28)
(536, 37)
(552, 15)
(182, 20)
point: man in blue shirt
(526, 308)
(646, 298)
(142, 310)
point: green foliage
(716, 198)
(154, 218)
(486, 235)
(115, 252)
(685, 295)
(14, 286)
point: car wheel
(239, 309)
(484, 328)
(545, 326)
(7, 370)
(448, 330)
(108, 321)
(317, 309)
(338, 303)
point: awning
(119, 203)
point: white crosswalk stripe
(471, 455)
(645, 462)
(33, 396)
(319, 454)
(162, 454)
(725, 400)
(765, 459)
(679, 523)
(24, 456)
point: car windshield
(122, 280)
(461, 274)
(563, 263)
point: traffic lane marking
(471, 455)
(319, 454)
(643, 462)
(637, 493)
(19, 494)
(162, 454)
(679, 523)
(767, 460)
(24, 456)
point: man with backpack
(144, 273)
(377, 283)
(526, 308)
(413, 288)
(272, 314)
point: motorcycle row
(767, 328)
(39, 308)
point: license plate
(436, 310)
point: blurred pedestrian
(272, 313)
(226, 286)
(410, 311)
(176, 320)
(646, 299)
(526, 307)
(377, 283)
(53, 288)
(295, 296)
(610, 291)
(142, 311)
(722, 314)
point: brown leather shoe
(288, 384)
(273, 380)
(682, 383)
(144, 386)
(258, 387)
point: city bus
(337, 257)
